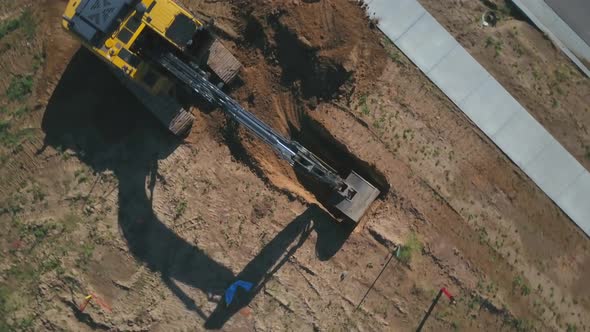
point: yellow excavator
(157, 47)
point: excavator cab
(124, 33)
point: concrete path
(576, 13)
(566, 22)
(487, 104)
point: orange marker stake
(101, 303)
(86, 301)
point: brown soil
(96, 198)
(528, 64)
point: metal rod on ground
(393, 254)
(429, 311)
(440, 293)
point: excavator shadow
(91, 113)
(276, 253)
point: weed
(518, 284)
(571, 328)
(28, 24)
(180, 209)
(4, 129)
(8, 27)
(86, 251)
(52, 264)
(405, 252)
(483, 235)
(20, 87)
(23, 273)
(396, 57)
(587, 155)
(497, 44)
(21, 111)
(364, 106)
(38, 194)
(562, 74)
(38, 61)
(521, 325)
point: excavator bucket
(361, 194)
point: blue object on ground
(231, 290)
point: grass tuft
(20, 87)
(406, 251)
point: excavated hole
(317, 76)
(316, 138)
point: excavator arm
(352, 196)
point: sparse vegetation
(496, 44)
(519, 285)
(20, 87)
(180, 209)
(364, 106)
(406, 251)
(24, 21)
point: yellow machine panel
(97, 23)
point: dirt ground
(97, 198)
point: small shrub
(25, 21)
(19, 88)
(364, 106)
(8, 27)
(405, 252)
(21, 111)
(180, 209)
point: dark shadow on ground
(330, 238)
(91, 113)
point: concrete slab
(427, 41)
(574, 201)
(458, 74)
(395, 17)
(490, 107)
(575, 13)
(554, 169)
(488, 104)
(559, 31)
(522, 138)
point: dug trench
(297, 79)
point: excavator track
(165, 108)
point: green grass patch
(10, 139)
(86, 252)
(364, 105)
(28, 24)
(180, 209)
(9, 26)
(20, 87)
(519, 285)
(406, 251)
(24, 21)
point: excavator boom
(352, 196)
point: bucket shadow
(92, 114)
(276, 253)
